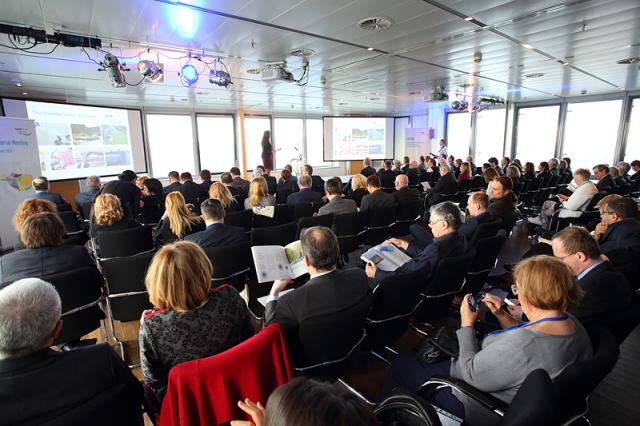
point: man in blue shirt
(93, 186)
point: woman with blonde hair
(109, 216)
(177, 221)
(358, 188)
(259, 195)
(189, 320)
(140, 180)
(219, 191)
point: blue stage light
(189, 74)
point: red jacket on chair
(206, 391)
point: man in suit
(553, 166)
(445, 220)
(447, 184)
(376, 197)
(605, 289)
(38, 384)
(305, 195)
(413, 173)
(494, 163)
(403, 194)
(622, 228)
(337, 204)
(216, 234)
(405, 164)
(317, 183)
(190, 190)
(126, 190)
(239, 183)
(93, 186)
(227, 181)
(41, 185)
(635, 166)
(272, 183)
(329, 290)
(205, 177)
(386, 175)
(472, 165)
(605, 181)
(367, 169)
(174, 182)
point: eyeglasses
(606, 212)
(514, 289)
(564, 257)
(433, 223)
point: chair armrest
(483, 398)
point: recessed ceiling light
(627, 61)
(375, 23)
(24, 93)
(469, 18)
(254, 71)
(527, 46)
(18, 84)
(563, 62)
(534, 75)
(620, 88)
(370, 49)
(342, 103)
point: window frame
(196, 158)
(197, 138)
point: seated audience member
(553, 166)
(286, 186)
(397, 166)
(606, 290)
(514, 173)
(624, 168)
(529, 172)
(472, 166)
(41, 185)
(433, 172)
(152, 201)
(422, 164)
(127, 192)
(217, 233)
(305, 195)
(494, 164)
(377, 197)
(386, 175)
(205, 177)
(189, 320)
(140, 180)
(622, 226)
(337, 204)
(238, 183)
(601, 227)
(551, 340)
(414, 174)
(358, 188)
(543, 171)
(403, 194)
(489, 175)
(93, 186)
(43, 234)
(568, 161)
(317, 183)
(259, 195)
(465, 172)
(615, 175)
(220, 192)
(227, 181)
(272, 183)
(174, 182)
(451, 161)
(503, 200)
(562, 167)
(572, 206)
(504, 163)
(190, 190)
(308, 402)
(39, 384)
(445, 220)
(328, 291)
(367, 170)
(109, 216)
(605, 181)
(635, 166)
(293, 177)
(28, 208)
(177, 221)
(405, 164)
(447, 183)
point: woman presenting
(267, 151)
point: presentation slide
(353, 138)
(76, 141)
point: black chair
(300, 210)
(126, 292)
(116, 405)
(85, 210)
(307, 222)
(81, 293)
(486, 230)
(406, 408)
(231, 265)
(71, 222)
(477, 182)
(323, 345)
(487, 250)
(445, 282)
(379, 223)
(407, 215)
(240, 218)
(274, 236)
(125, 242)
(509, 221)
(349, 229)
(280, 216)
(623, 322)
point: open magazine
(277, 262)
(386, 256)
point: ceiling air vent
(375, 23)
(302, 53)
(534, 75)
(628, 61)
(254, 71)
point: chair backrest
(127, 293)
(486, 230)
(231, 264)
(114, 406)
(406, 409)
(125, 242)
(534, 403)
(280, 216)
(307, 222)
(85, 210)
(70, 221)
(409, 211)
(349, 228)
(240, 218)
(301, 210)
(280, 235)
(478, 182)
(555, 179)
(381, 216)
(621, 323)
(80, 292)
(449, 274)
(464, 185)
(508, 222)
(578, 380)
(487, 250)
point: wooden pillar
(243, 145)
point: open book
(277, 262)
(386, 256)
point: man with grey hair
(217, 232)
(624, 168)
(337, 204)
(445, 219)
(38, 384)
(553, 166)
(93, 186)
(305, 195)
(41, 185)
(328, 291)
(367, 169)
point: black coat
(175, 186)
(128, 193)
(502, 207)
(387, 178)
(368, 171)
(622, 234)
(218, 234)
(446, 185)
(406, 195)
(605, 183)
(153, 208)
(305, 195)
(376, 199)
(191, 192)
(357, 195)
(164, 235)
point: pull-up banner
(19, 164)
(416, 143)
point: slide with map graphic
(353, 138)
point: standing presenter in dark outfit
(267, 151)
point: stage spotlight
(150, 70)
(188, 74)
(455, 105)
(112, 66)
(220, 78)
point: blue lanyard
(527, 324)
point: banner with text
(416, 143)
(19, 164)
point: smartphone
(473, 302)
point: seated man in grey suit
(305, 195)
(217, 233)
(376, 197)
(93, 186)
(337, 204)
(330, 290)
(41, 185)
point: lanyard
(527, 324)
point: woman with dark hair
(267, 151)
(529, 171)
(503, 200)
(543, 169)
(308, 402)
(152, 201)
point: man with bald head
(404, 195)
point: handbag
(443, 345)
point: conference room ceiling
(429, 44)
